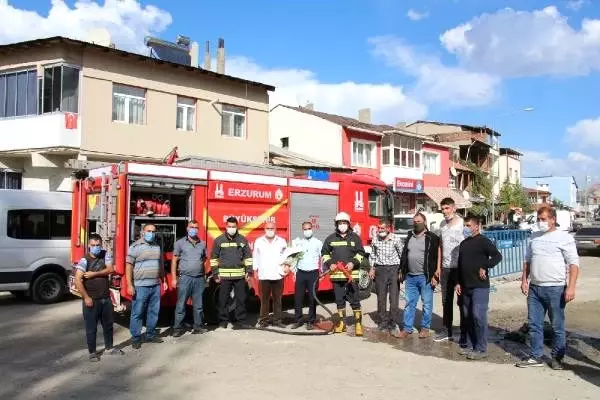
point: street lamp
(497, 144)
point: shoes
(94, 357)
(530, 362)
(279, 324)
(297, 325)
(239, 326)
(154, 339)
(136, 345)
(223, 325)
(463, 351)
(424, 334)
(403, 334)
(358, 328)
(309, 326)
(114, 352)
(199, 331)
(262, 324)
(178, 333)
(444, 337)
(340, 327)
(477, 355)
(556, 364)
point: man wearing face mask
(266, 257)
(306, 276)
(231, 267)
(189, 254)
(549, 277)
(477, 254)
(344, 245)
(91, 279)
(386, 249)
(144, 273)
(420, 266)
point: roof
(290, 159)
(438, 194)
(530, 190)
(61, 40)
(509, 151)
(464, 126)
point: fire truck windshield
(381, 203)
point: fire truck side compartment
(320, 209)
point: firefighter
(344, 245)
(231, 267)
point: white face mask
(383, 234)
(270, 233)
(343, 228)
(543, 226)
(231, 231)
(308, 233)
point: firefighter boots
(358, 328)
(339, 328)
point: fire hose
(334, 317)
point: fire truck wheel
(48, 288)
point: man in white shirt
(267, 265)
(551, 265)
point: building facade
(563, 188)
(64, 99)
(509, 166)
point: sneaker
(114, 352)
(443, 338)
(297, 325)
(477, 355)
(94, 357)
(238, 326)
(178, 333)
(309, 326)
(199, 331)
(463, 351)
(262, 325)
(154, 339)
(395, 331)
(136, 345)
(556, 364)
(424, 334)
(530, 362)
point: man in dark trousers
(91, 278)
(477, 254)
(187, 275)
(231, 267)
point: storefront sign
(408, 185)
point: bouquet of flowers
(290, 256)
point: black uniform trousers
(343, 289)
(239, 292)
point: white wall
(308, 135)
(388, 174)
(506, 165)
(46, 178)
(38, 131)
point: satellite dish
(466, 195)
(453, 171)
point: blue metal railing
(512, 244)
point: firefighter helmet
(342, 217)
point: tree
(513, 195)
(482, 186)
(559, 205)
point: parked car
(587, 240)
(35, 244)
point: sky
(464, 61)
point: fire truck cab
(117, 200)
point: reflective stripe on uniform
(325, 257)
(232, 272)
(229, 244)
(214, 262)
(334, 244)
(339, 276)
(359, 257)
(248, 262)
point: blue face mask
(95, 250)
(192, 232)
(467, 232)
(149, 236)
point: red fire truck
(117, 200)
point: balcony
(40, 131)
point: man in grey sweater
(551, 266)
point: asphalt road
(43, 355)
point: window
(129, 104)
(39, 224)
(378, 203)
(363, 154)
(58, 89)
(285, 142)
(10, 180)
(18, 93)
(516, 176)
(406, 151)
(186, 114)
(431, 163)
(233, 121)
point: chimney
(194, 54)
(207, 60)
(364, 115)
(221, 57)
(309, 106)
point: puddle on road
(500, 351)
